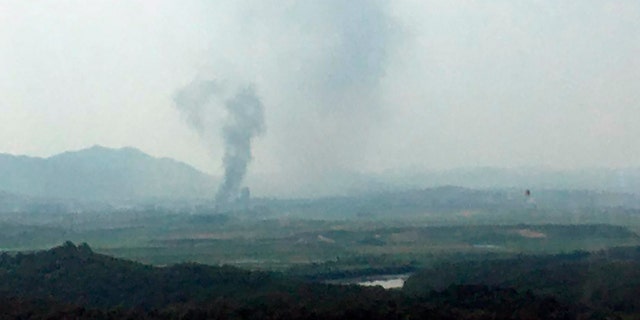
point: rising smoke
(323, 66)
(194, 100)
(244, 121)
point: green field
(334, 237)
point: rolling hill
(100, 173)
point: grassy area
(419, 244)
(282, 242)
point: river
(388, 281)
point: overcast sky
(346, 85)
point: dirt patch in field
(528, 233)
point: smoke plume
(193, 101)
(244, 120)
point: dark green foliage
(77, 275)
(73, 282)
(608, 280)
(353, 267)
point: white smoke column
(245, 121)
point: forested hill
(74, 282)
(75, 274)
(604, 280)
(100, 173)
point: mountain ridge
(101, 173)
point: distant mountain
(100, 173)
(354, 183)
(625, 180)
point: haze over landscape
(319, 159)
(100, 173)
(347, 87)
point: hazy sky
(365, 85)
